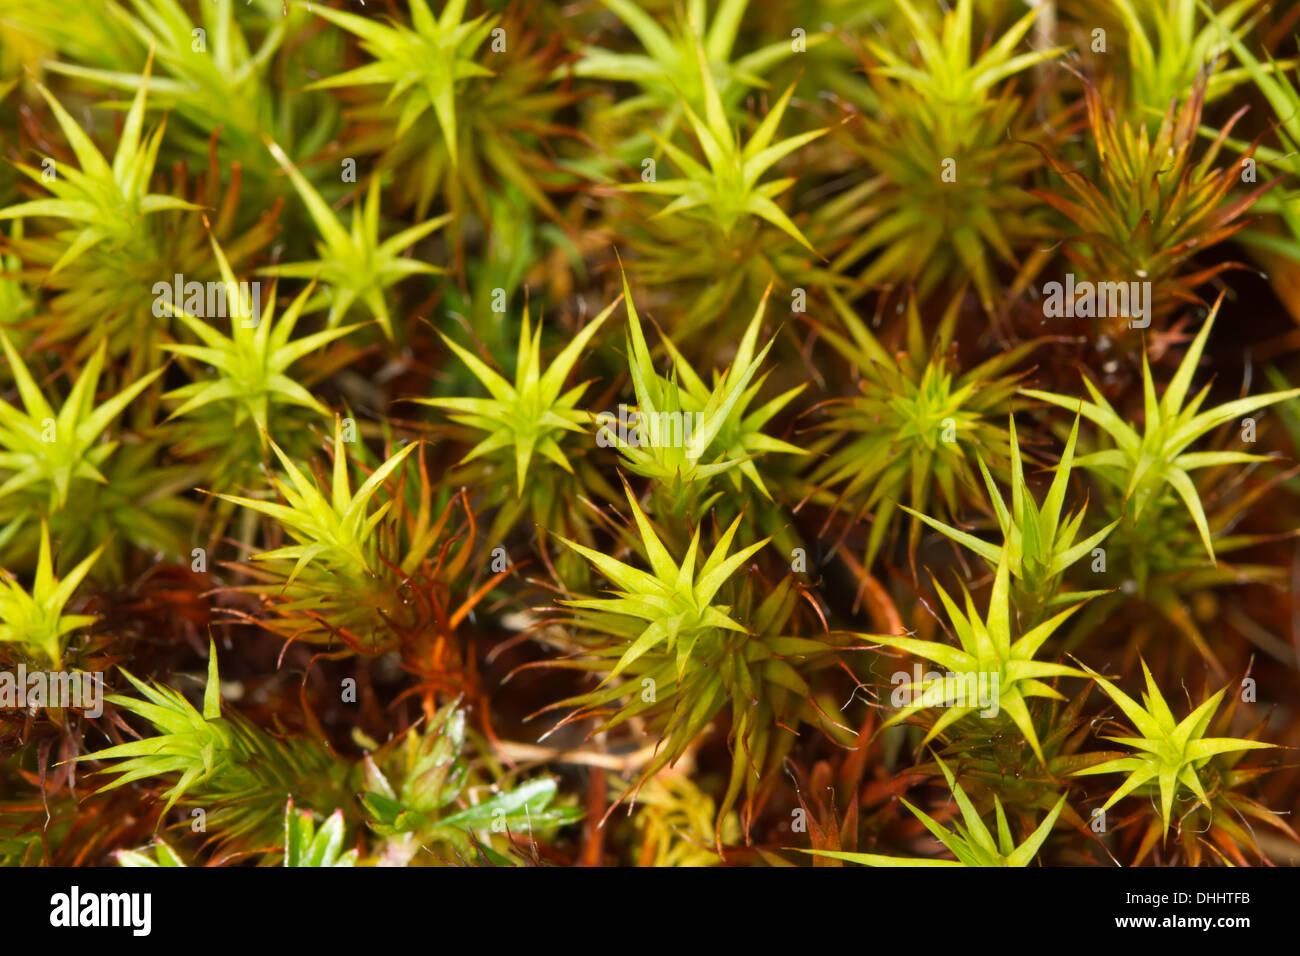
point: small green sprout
(35, 622)
(103, 203)
(1171, 753)
(688, 432)
(252, 363)
(423, 63)
(334, 531)
(354, 265)
(971, 843)
(44, 453)
(987, 656)
(915, 426)
(422, 791)
(1149, 464)
(1039, 545)
(531, 415)
(728, 188)
(304, 845)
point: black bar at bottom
(513, 907)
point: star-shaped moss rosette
(224, 95)
(378, 569)
(668, 653)
(987, 662)
(1151, 466)
(33, 622)
(251, 363)
(341, 576)
(1149, 207)
(1170, 753)
(728, 189)
(514, 127)
(529, 416)
(44, 454)
(102, 203)
(673, 601)
(103, 207)
(970, 841)
(1171, 43)
(454, 118)
(222, 762)
(423, 64)
(1227, 830)
(686, 433)
(530, 451)
(945, 141)
(335, 531)
(1158, 571)
(355, 266)
(1040, 544)
(911, 432)
(667, 69)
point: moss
(847, 536)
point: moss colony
(649, 432)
